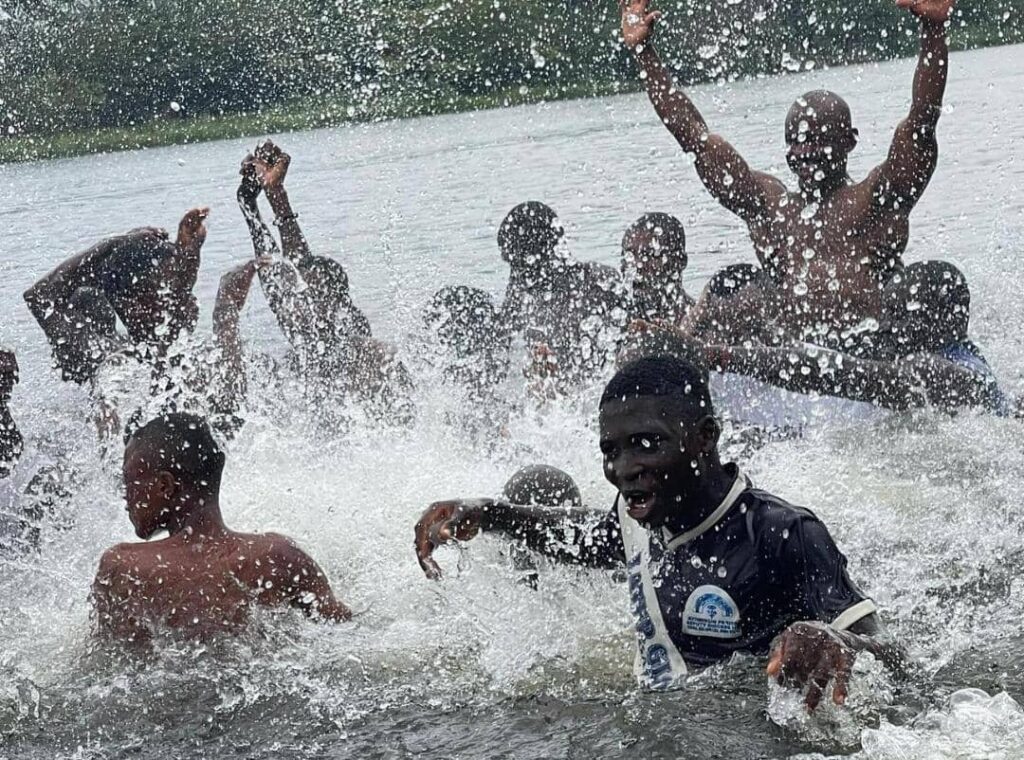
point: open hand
(444, 521)
(811, 654)
(936, 11)
(637, 22)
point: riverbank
(292, 117)
(299, 116)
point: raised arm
(906, 171)
(272, 167)
(282, 285)
(724, 172)
(575, 536)
(230, 386)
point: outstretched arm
(280, 280)
(724, 172)
(900, 384)
(906, 171)
(272, 167)
(574, 536)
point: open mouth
(639, 504)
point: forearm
(676, 110)
(231, 385)
(930, 75)
(567, 536)
(293, 242)
(822, 371)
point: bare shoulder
(118, 557)
(273, 548)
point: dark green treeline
(68, 66)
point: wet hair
(730, 280)
(465, 317)
(827, 109)
(94, 309)
(531, 228)
(662, 376)
(327, 276)
(940, 293)
(184, 445)
(665, 228)
(130, 264)
(542, 485)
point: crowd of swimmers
(714, 565)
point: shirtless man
(310, 297)
(558, 305)
(204, 578)
(653, 261)
(142, 276)
(831, 245)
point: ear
(708, 430)
(166, 484)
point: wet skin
(203, 578)
(831, 244)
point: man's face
(654, 269)
(818, 144)
(651, 447)
(148, 492)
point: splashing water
(479, 665)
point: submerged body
(204, 578)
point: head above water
(465, 319)
(819, 139)
(172, 468)
(659, 436)
(149, 285)
(654, 258)
(927, 306)
(529, 235)
(328, 283)
(542, 485)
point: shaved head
(819, 136)
(819, 116)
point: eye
(647, 442)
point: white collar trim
(738, 487)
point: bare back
(204, 586)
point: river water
(477, 665)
